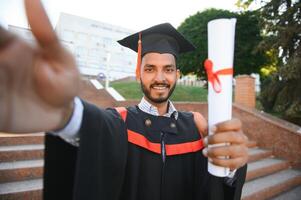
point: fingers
(231, 137)
(230, 125)
(233, 156)
(233, 151)
(229, 163)
(228, 146)
(40, 24)
(51, 50)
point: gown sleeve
(95, 169)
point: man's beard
(147, 94)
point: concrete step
(21, 170)
(21, 152)
(258, 154)
(265, 167)
(293, 194)
(98, 97)
(271, 185)
(21, 139)
(31, 189)
(252, 144)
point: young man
(150, 151)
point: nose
(160, 77)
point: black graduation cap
(162, 38)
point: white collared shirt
(147, 107)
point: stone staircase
(268, 177)
(21, 170)
(21, 166)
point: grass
(131, 90)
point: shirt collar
(147, 107)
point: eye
(148, 69)
(169, 69)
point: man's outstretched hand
(37, 84)
(236, 152)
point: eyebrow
(165, 66)
(171, 65)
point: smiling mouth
(160, 87)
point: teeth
(159, 87)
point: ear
(178, 74)
(138, 79)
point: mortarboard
(162, 38)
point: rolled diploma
(221, 33)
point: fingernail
(213, 129)
(206, 141)
(210, 160)
(205, 152)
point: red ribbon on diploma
(213, 76)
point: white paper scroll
(221, 33)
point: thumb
(40, 25)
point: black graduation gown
(123, 161)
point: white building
(94, 44)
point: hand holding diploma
(231, 156)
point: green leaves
(246, 61)
(281, 22)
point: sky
(131, 14)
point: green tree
(247, 60)
(281, 23)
